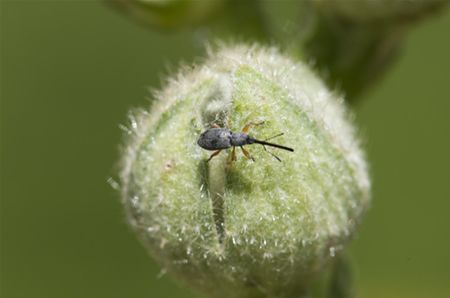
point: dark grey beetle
(222, 138)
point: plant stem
(351, 55)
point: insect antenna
(264, 143)
(273, 145)
(275, 136)
(269, 138)
(277, 158)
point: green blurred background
(71, 70)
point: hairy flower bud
(243, 228)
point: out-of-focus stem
(352, 56)
(243, 20)
(354, 44)
(341, 279)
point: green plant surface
(71, 70)
(245, 229)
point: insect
(216, 139)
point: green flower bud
(243, 228)
(169, 13)
(380, 10)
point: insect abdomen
(215, 139)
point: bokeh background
(71, 70)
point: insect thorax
(239, 139)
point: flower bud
(245, 228)
(169, 13)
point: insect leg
(247, 154)
(232, 155)
(250, 125)
(214, 154)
